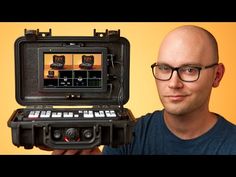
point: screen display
(72, 70)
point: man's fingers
(58, 152)
(72, 152)
(65, 152)
(95, 151)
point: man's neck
(191, 125)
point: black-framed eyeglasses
(186, 73)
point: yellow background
(144, 39)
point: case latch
(34, 34)
(107, 33)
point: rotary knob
(87, 133)
(71, 134)
(57, 134)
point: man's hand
(95, 151)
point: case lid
(72, 70)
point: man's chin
(176, 111)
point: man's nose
(175, 81)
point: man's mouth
(176, 98)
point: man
(186, 70)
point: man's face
(179, 97)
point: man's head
(188, 46)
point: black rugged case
(106, 88)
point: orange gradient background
(145, 39)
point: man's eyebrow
(185, 64)
(162, 63)
(191, 64)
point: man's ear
(218, 75)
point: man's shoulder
(227, 134)
(149, 119)
(227, 128)
(150, 115)
(227, 124)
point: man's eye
(164, 67)
(189, 70)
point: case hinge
(34, 34)
(107, 33)
(39, 107)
